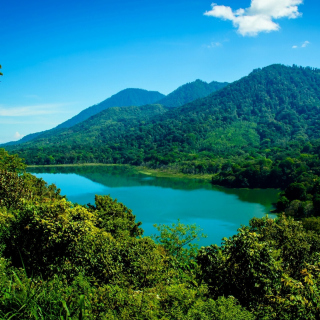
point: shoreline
(138, 169)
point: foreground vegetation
(60, 260)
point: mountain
(271, 107)
(127, 97)
(135, 97)
(190, 92)
(124, 98)
(26, 138)
(106, 125)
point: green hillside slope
(108, 125)
(272, 107)
(190, 92)
(127, 97)
(124, 98)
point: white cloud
(259, 16)
(34, 110)
(18, 136)
(305, 44)
(214, 45)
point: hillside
(104, 126)
(133, 97)
(268, 108)
(26, 138)
(190, 92)
(127, 97)
(124, 98)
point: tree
(1, 74)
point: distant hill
(124, 98)
(134, 97)
(107, 124)
(127, 97)
(26, 138)
(190, 92)
(271, 107)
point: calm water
(218, 211)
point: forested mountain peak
(270, 107)
(190, 92)
(124, 98)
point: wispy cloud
(32, 96)
(214, 45)
(34, 110)
(17, 136)
(28, 120)
(304, 44)
(259, 16)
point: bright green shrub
(271, 267)
(114, 217)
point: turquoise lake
(153, 200)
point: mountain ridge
(132, 97)
(126, 97)
(191, 91)
(269, 107)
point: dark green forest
(190, 92)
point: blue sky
(60, 57)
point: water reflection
(219, 211)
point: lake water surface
(153, 200)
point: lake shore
(166, 173)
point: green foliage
(243, 267)
(16, 185)
(272, 267)
(312, 224)
(59, 260)
(55, 236)
(221, 309)
(178, 241)
(115, 218)
(239, 134)
(11, 163)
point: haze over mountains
(136, 97)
